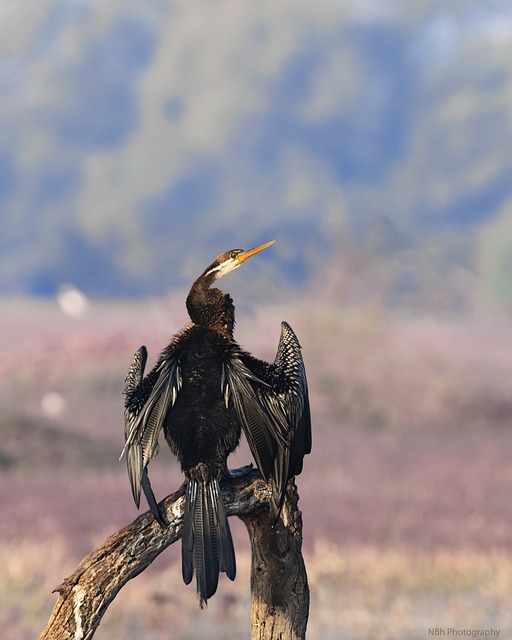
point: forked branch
(279, 588)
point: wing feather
(271, 402)
(147, 404)
(237, 386)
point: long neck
(211, 308)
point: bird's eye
(233, 254)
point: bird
(203, 392)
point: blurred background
(373, 142)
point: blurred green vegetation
(140, 141)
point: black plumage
(203, 391)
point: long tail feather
(207, 545)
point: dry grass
(369, 592)
(357, 593)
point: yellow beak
(242, 257)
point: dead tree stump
(279, 584)
(279, 587)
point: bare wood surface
(86, 594)
(279, 584)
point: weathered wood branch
(279, 583)
(280, 595)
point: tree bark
(280, 595)
(279, 583)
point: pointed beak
(242, 257)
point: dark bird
(203, 391)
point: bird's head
(210, 307)
(230, 260)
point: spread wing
(147, 403)
(271, 402)
(288, 400)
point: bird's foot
(240, 472)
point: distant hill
(140, 140)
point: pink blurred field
(407, 514)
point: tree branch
(86, 594)
(279, 583)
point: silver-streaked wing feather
(286, 401)
(135, 396)
(148, 401)
(238, 386)
(271, 402)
